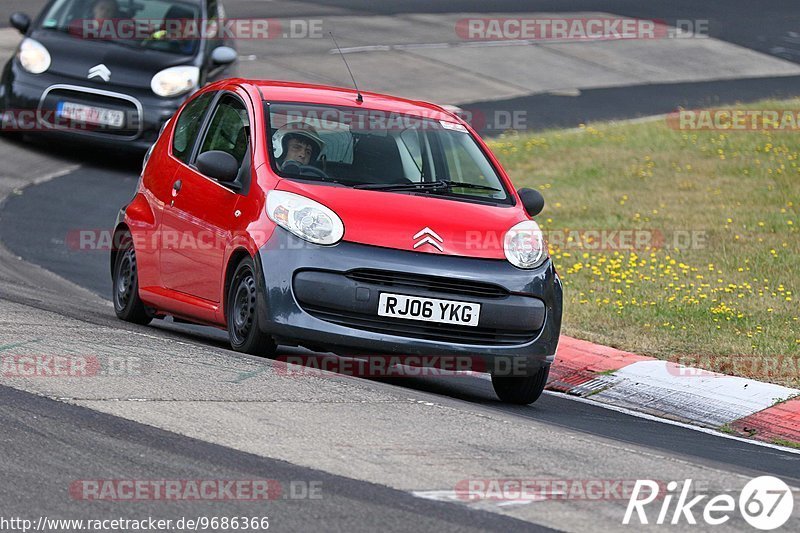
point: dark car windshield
(165, 25)
(378, 150)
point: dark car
(113, 71)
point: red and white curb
(684, 394)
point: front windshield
(165, 25)
(381, 150)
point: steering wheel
(293, 167)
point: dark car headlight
(175, 81)
(33, 56)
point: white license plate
(429, 309)
(91, 114)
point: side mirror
(20, 21)
(219, 165)
(532, 201)
(223, 55)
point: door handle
(176, 187)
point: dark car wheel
(243, 328)
(521, 389)
(6, 133)
(127, 304)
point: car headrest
(378, 159)
(179, 13)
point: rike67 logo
(765, 503)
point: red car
(356, 223)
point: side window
(214, 9)
(216, 14)
(188, 125)
(229, 129)
(412, 155)
(463, 161)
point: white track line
(53, 175)
(652, 418)
(707, 431)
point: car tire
(9, 135)
(521, 390)
(127, 304)
(244, 331)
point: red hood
(396, 220)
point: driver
(298, 142)
(105, 9)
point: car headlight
(33, 56)
(524, 245)
(304, 217)
(175, 80)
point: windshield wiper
(311, 177)
(465, 185)
(423, 186)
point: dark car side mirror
(532, 201)
(219, 165)
(20, 21)
(223, 55)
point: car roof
(286, 91)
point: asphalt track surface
(762, 25)
(42, 429)
(768, 26)
(43, 240)
(47, 444)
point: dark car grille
(130, 129)
(419, 330)
(365, 318)
(428, 283)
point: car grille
(428, 283)
(130, 129)
(429, 286)
(420, 330)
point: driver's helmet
(298, 129)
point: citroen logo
(430, 237)
(100, 71)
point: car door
(161, 168)
(198, 223)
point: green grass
(727, 303)
(787, 443)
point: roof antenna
(359, 98)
